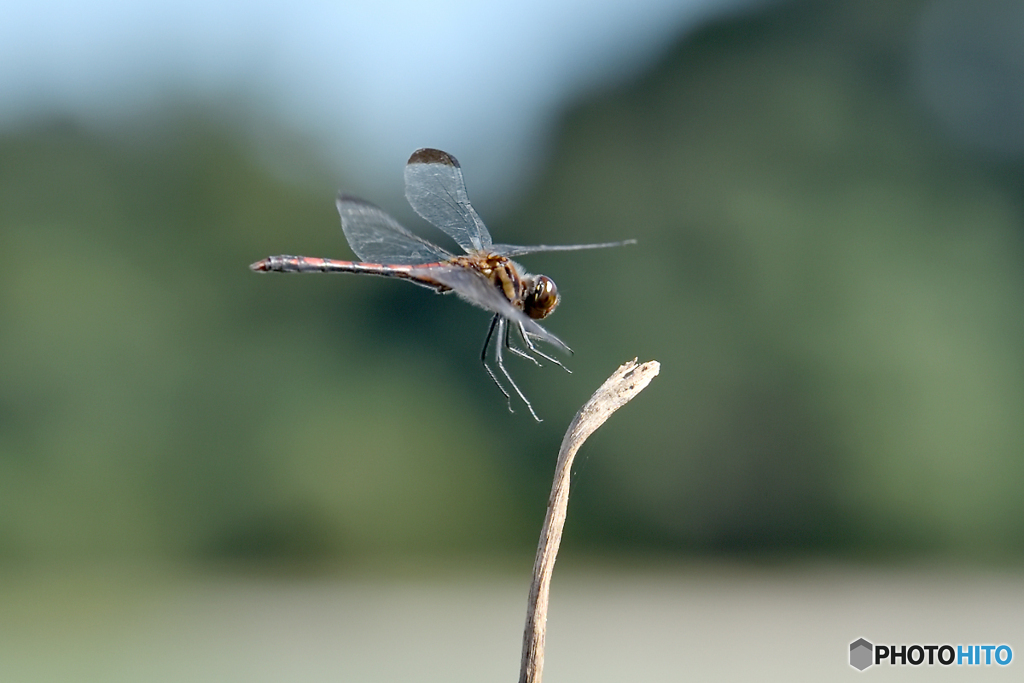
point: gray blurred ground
(689, 623)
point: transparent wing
(517, 250)
(478, 290)
(376, 237)
(436, 191)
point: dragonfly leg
(499, 343)
(516, 350)
(533, 348)
(483, 359)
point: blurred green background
(831, 277)
(827, 198)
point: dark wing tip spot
(433, 156)
(349, 199)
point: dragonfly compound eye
(542, 298)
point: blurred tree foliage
(833, 289)
(837, 286)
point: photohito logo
(863, 654)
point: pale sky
(367, 80)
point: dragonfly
(484, 275)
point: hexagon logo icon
(860, 654)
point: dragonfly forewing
(519, 250)
(473, 287)
(436, 191)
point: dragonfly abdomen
(312, 264)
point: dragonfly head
(541, 297)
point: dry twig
(625, 383)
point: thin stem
(625, 383)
